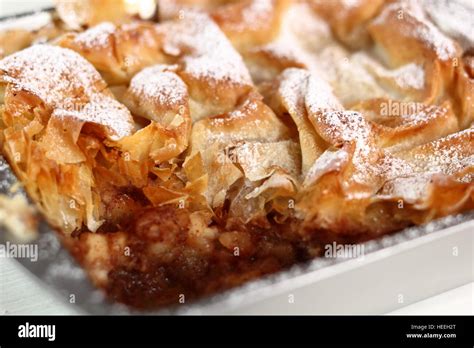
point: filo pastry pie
(232, 140)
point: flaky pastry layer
(233, 139)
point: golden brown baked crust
(80, 14)
(117, 52)
(19, 33)
(229, 147)
(348, 19)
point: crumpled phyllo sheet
(203, 138)
(118, 52)
(286, 95)
(77, 149)
(87, 158)
(399, 125)
(52, 96)
(158, 95)
(213, 70)
(271, 173)
(95, 164)
(241, 154)
(357, 186)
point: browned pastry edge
(215, 184)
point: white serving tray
(416, 264)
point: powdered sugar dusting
(98, 36)
(448, 155)
(422, 28)
(338, 126)
(454, 18)
(209, 53)
(292, 88)
(444, 156)
(68, 84)
(302, 33)
(409, 76)
(44, 70)
(320, 96)
(335, 124)
(443, 46)
(351, 3)
(329, 160)
(248, 109)
(411, 188)
(102, 110)
(257, 11)
(424, 114)
(164, 87)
